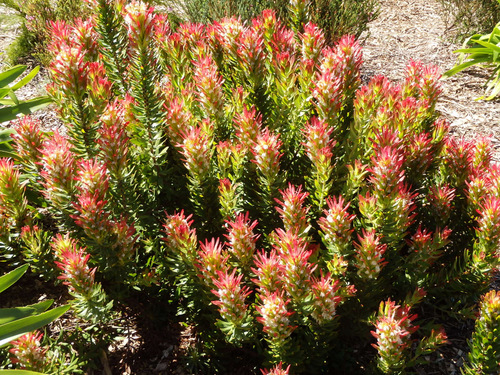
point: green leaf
(491, 46)
(15, 313)
(17, 328)
(11, 74)
(5, 135)
(465, 65)
(25, 107)
(10, 278)
(26, 79)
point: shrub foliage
(287, 208)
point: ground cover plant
(241, 172)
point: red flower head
(268, 271)
(292, 210)
(113, 140)
(28, 139)
(231, 296)
(369, 255)
(274, 316)
(209, 87)
(180, 238)
(336, 226)
(248, 126)
(277, 370)
(28, 353)
(266, 153)
(212, 260)
(313, 41)
(241, 239)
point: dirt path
(415, 29)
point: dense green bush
(243, 173)
(466, 17)
(334, 17)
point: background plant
(464, 18)
(334, 17)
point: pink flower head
(268, 271)
(197, 151)
(125, 239)
(231, 296)
(212, 260)
(313, 41)
(251, 54)
(92, 216)
(266, 153)
(283, 240)
(58, 167)
(209, 86)
(70, 71)
(481, 159)
(60, 35)
(178, 120)
(227, 32)
(292, 210)
(92, 178)
(489, 220)
(422, 82)
(458, 155)
(336, 225)
(241, 238)
(420, 154)
(274, 316)
(180, 237)
(248, 126)
(28, 353)
(113, 141)
(318, 138)
(267, 23)
(387, 174)
(139, 19)
(85, 36)
(441, 200)
(12, 200)
(369, 255)
(73, 264)
(426, 247)
(28, 139)
(277, 370)
(296, 270)
(327, 297)
(328, 92)
(393, 330)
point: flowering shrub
(245, 169)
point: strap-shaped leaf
(465, 65)
(26, 107)
(26, 79)
(11, 74)
(15, 313)
(15, 329)
(492, 46)
(11, 277)
(5, 135)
